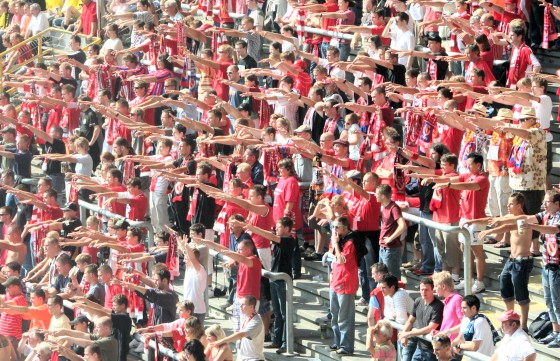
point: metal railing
(95, 208)
(467, 271)
(307, 29)
(473, 355)
(58, 42)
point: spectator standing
(344, 284)
(392, 227)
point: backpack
(540, 327)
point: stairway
(311, 302)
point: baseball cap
(9, 130)
(302, 128)
(509, 315)
(354, 174)
(435, 38)
(12, 281)
(70, 207)
(342, 142)
(80, 319)
(121, 224)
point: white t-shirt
(252, 347)
(84, 165)
(194, 286)
(544, 113)
(334, 72)
(400, 305)
(515, 347)
(402, 40)
(482, 332)
(354, 149)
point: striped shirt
(10, 325)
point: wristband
(414, 156)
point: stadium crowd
(314, 150)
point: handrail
(277, 276)
(40, 52)
(467, 272)
(474, 355)
(95, 208)
(307, 29)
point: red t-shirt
(473, 203)
(114, 206)
(389, 216)
(367, 214)
(88, 17)
(328, 23)
(138, 206)
(221, 73)
(249, 279)
(49, 214)
(378, 30)
(344, 280)
(10, 325)
(263, 222)
(452, 137)
(286, 191)
(110, 291)
(447, 210)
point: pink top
(452, 313)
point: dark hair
(445, 92)
(57, 300)
(286, 222)
(518, 30)
(519, 198)
(260, 190)
(427, 281)
(94, 348)
(39, 292)
(121, 299)
(440, 148)
(198, 228)
(196, 349)
(472, 300)
(116, 173)
(476, 157)
(450, 158)
(366, 81)
(390, 281)
(135, 182)
(164, 274)
(14, 266)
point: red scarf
(549, 30)
(172, 259)
(413, 126)
(429, 132)
(515, 161)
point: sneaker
(421, 272)
(309, 251)
(548, 339)
(226, 305)
(555, 343)
(343, 352)
(456, 278)
(267, 338)
(409, 264)
(272, 345)
(281, 350)
(362, 302)
(313, 257)
(133, 344)
(460, 286)
(229, 308)
(478, 287)
(333, 347)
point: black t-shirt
(22, 162)
(426, 314)
(282, 255)
(64, 81)
(69, 226)
(61, 282)
(81, 57)
(395, 75)
(248, 62)
(88, 121)
(56, 147)
(122, 324)
(205, 209)
(165, 305)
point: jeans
(232, 284)
(421, 355)
(323, 49)
(343, 320)
(59, 186)
(406, 352)
(392, 258)
(344, 51)
(514, 280)
(551, 287)
(27, 262)
(428, 253)
(278, 295)
(364, 272)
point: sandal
(490, 240)
(501, 244)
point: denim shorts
(514, 280)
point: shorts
(474, 230)
(514, 280)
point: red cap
(509, 315)
(510, 2)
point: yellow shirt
(51, 4)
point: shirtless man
(6, 349)
(15, 248)
(514, 278)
